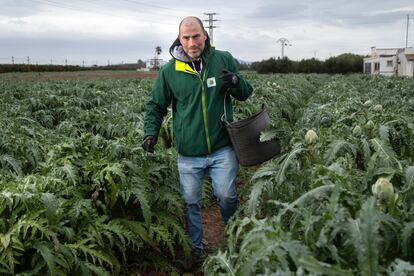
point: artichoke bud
(311, 137)
(378, 108)
(370, 124)
(357, 131)
(383, 189)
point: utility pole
(283, 42)
(12, 59)
(28, 60)
(210, 24)
(66, 62)
(406, 33)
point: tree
(158, 51)
(342, 64)
(141, 63)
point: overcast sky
(127, 30)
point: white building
(405, 62)
(155, 64)
(390, 62)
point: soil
(213, 227)
(213, 232)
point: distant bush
(342, 64)
(6, 68)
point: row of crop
(339, 202)
(78, 195)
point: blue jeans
(222, 166)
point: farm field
(78, 195)
(79, 75)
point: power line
(151, 5)
(132, 7)
(65, 6)
(75, 8)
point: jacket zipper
(203, 106)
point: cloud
(280, 11)
(128, 29)
(17, 8)
(60, 24)
(18, 21)
(339, 12)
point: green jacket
(197, 100)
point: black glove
(230, 79)
(149, 143)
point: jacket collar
(183, 67)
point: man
(196, 81)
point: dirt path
(213, 226)
(213, 232)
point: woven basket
(244, 135)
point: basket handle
(224, 116)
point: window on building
(376, 66)
(389, 63)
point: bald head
(190, 20)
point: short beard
(195, 58)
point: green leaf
(387, 154)
(407, 234)
(49, 257)
(255, 197)
(142, 197)
(313, 265)
(6, 159)
(70, 172)
(268, 134)
(288, 161)
(317, 192)
(98, 270)
(384, 133)
(335, 147)
(409, 179)
(5, 240)
(365, 237)
(222, 260)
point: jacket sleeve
(243, 89)
(156, 107)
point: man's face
(192, 38)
